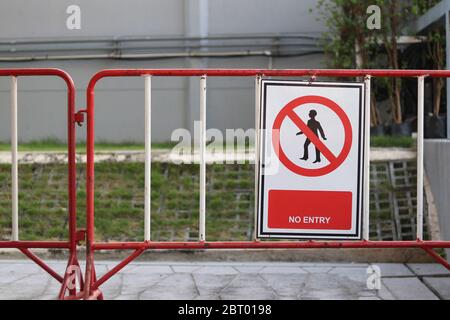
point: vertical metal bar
(202, 221)
(90, 186)
(447, 52)
(257, 115)
(14, 165)
(366, 224)
(71, 164)
(420, 136)
(148, 158)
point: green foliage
(435, 52)
(349, 41)
(346, 22)
(422, 6)
(392, 141)
(56, 145)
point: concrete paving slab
(384, 293)
(31, 287)
(317, 269)
(282, 270)
(10, 277)
(113, 287)
(219, 270)
(249, 269)
(127, 297)
(358, 274)
(176, 286)
(426, 269)
(248, 287)
(20, 267)
(333, 287)
(185, 269)
(440, 285)
(408, 289)
(236, 281)
(393, 270)
(133, 284)
(286, 286)
(143, 269)
(210, 285)
(208, 297)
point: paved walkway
(20, 279)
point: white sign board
(311, 160)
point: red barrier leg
(72, 274)
(69, 281)
(75, 235)
(42, 264)
(90, 292)
(90, 273)
(117, 268)
(437, 257)
(96, 292)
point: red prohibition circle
(289, 108)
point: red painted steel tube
(140, 247)
(42, 264)
(71, 244)
(265, 72)
(70, 137)
(68, 276)
(36, 244)
(210, 73)
(437, 257)
(271, 245)
(96, 295)
(91, 246)
(117, 268)
(78, 296)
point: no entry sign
(311, 160)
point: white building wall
(119, 102)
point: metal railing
(92, 283)
(75, 235)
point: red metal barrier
(75, 235)
(92, 284)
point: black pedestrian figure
(315, 127)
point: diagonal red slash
(311, 136)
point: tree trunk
(361, 62)
(392, 54)
(374, 117)
(397, 101)
(436, 53)
(438, 85)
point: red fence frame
(74, 234)
(92, 284)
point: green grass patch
(57, 146)
(119, 201)
(392, 141)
